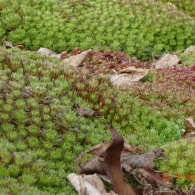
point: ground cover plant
(43, 101)
(142, 28)
(185, 6)
(169, 90)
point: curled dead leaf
(167, 60)
(129, 76)
(85, 112)
(190, 128)
(76, 60)
(8, 45)
(112, 165)
(87, 184)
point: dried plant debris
(112, 160)
(8, 45)
(112, 165)
(190, 128)
(85, 112)
(88, 184)
(167, 60)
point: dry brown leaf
(76, 60)
(87, 184)
(129, 76)
(112, 165)
(100, 149)
(154, 178)
(85, 112)
(140, 161)
(129, 147)
(48, 52)
(134, 70)
(167, 60)
(190, 128)
(95, 165)
(8, 45)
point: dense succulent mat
(187, 6)
(170, 91)
(41, 130)
(180, 162)
(143, 28)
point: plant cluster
(169, 90)
(142, 28)
(187, 6)
(180, 156)
(41, 130)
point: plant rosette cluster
(41, 132)
(187, 6)
(169, 90)
(144, 29)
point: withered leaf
(76, 60)
(190, 128)
(95, 165)
(85, 112)
(112, 165)
(167, 60)
(140, 161)
(87, 184)
(100, 149)
(129, 76)
(155, 178)
(8, 45)
(48, 52)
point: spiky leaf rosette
(142, 28)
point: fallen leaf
(128, 76)
(141, 160)
(154, 178)
(76, 60)
(47, 52)
(87, 184)
(167, 60)
(85, 112)
(112, 165)
(190, 128)
(8, 45)
(99, 150)
(95, 165)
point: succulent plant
(122, 26)
(180, 161)
(187, 6)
